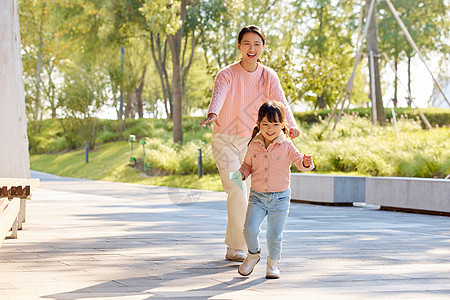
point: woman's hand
(294, 132)
(307, 160)
(211, 117)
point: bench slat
(7, 219)
(3, 204)
(8, 182)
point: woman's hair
(274, 112)
(251, 28)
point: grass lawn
(109, 162)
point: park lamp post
(200, 163)
(132, 139)
(86, 152)
(143, 142)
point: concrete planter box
(409, 193)
(327, 188)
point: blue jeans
(276, 207)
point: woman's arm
(277, 94)
(221, 87)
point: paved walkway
(100, 240)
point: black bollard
(200, 165)
(86, 152)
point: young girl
(239, 90)
(268, 160)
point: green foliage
(167, 158)
(356, 145)
(70, 133)
(50, 139)
(438, 117)
(327, 52)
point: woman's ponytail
(255, 132)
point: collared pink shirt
(238, 95)
(270, 167)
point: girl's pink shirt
(270, 167)
(238, 94)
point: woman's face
(251, 47)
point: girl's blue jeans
(275, 206)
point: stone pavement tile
(108, 240)
(102, 296)
(18, 294)
(414, 295)
(18, 278)
(6, 286)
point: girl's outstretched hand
(211, 117)
(307, 160)
(294, 132)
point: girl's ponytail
(255, 132)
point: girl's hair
(258, 31)
(275, 112)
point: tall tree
(327, 51)
(427, 22)
(40, 58)
(374, 68)
(183, 23)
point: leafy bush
(438, 117)
(356, 145)
(168, 158)
(65, 134)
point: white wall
(14, 157)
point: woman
(239, 90)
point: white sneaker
(273, 268)
(246, 268)
(235, 255)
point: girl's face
(270, 131)
(251, 47)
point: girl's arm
(246, 167)
(303, 162)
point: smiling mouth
(251, 55)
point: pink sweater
(270, 168)
(238, 94)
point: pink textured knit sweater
(238, 94)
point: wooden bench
(13, 195)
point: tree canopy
(158, 58)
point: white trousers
(229, 152)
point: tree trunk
(319, 102)
(160, 62)
(409, 81)
(130, 109)
(14, 156)
(177, 84)
(175, 46)
(138, 91)
(372, 40)
(37, 100)
(395, 100)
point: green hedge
(438, 117)
(54, 135)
